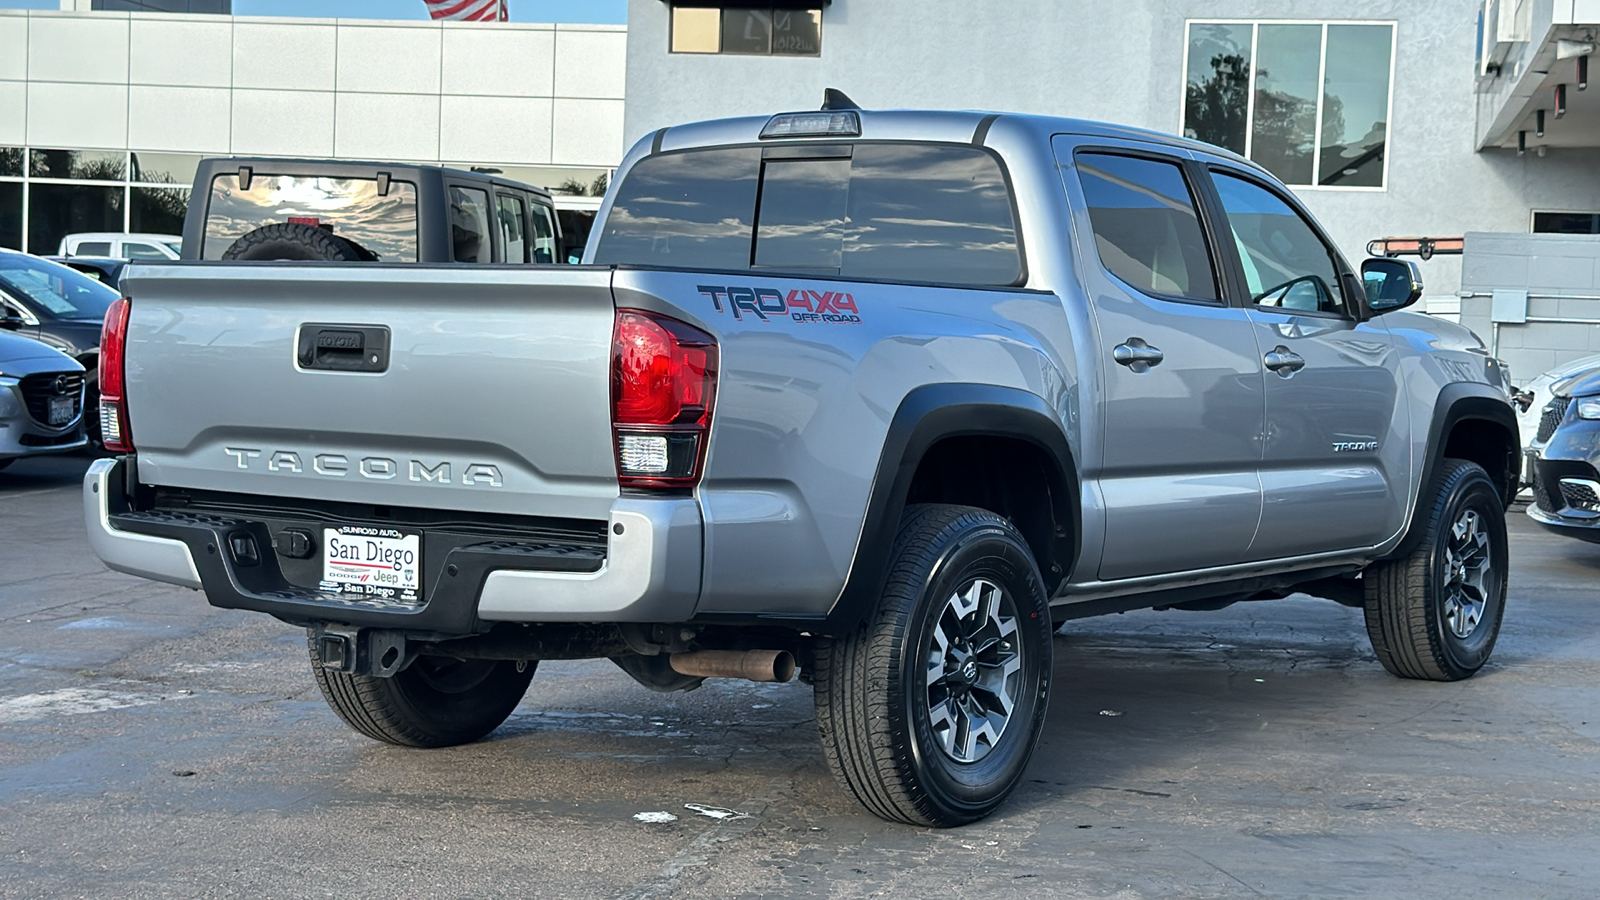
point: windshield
(52, 290)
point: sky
(585, 11)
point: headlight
(1589, 407)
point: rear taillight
(663, 383)
(113, 400)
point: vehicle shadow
(35, 473)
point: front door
(1336, 459)
(1182, 403)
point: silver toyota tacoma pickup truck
(883, 397)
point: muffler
(751, 665)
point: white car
(1537, 394)
(118, 245)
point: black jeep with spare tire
(296, 209)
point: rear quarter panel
(803, 408)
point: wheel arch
(936, 431)
(1474, 422)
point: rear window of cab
(352, 208)
(884, 211)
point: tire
(434, 702)
(1435, 613)
(876, 690)
(291, 240)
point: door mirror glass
(1390, 284)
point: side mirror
(10, 321)
(1390, 284)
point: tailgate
(494, 396)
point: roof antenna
(833, 98)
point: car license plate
(373, 561)
(61, 410)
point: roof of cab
(283, 165)
(952, 126)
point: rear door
(1336, 458)
(1182, 399)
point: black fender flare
(926, 416)
(1459, 402)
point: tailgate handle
(344, 348)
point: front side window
(1145, 227)
(760, 31)
(1307, 100)
(385, 225)
(469, 225)
(1286, 265)
(896, 212)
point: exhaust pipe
(752, 665)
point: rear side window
(141, 251)
(513, 228)
(351, 208)
(469, 225)
(93, 248)
(897, 212)
(1145, 227)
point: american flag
(468, 10)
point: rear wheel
(930, 712)
(1435, 613)
(434, 702)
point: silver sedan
(41, 400)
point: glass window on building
(757, 31)
(11, 215)
(1307, 100)
(164, 168)
(85, 165)
(154, 210)
(57, 210)
(382, 224)
(1566, 223)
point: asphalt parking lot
(152, 746)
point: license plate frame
(61, 410)
(374, 562)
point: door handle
(1137, 355)
(344, 348)
(1284, 361)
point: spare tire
(292, 240)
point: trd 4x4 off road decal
(832, 307)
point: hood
(1584, 384)
(25, 356)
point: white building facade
(1375, 112)
(104, 115)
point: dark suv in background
(259, 209)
